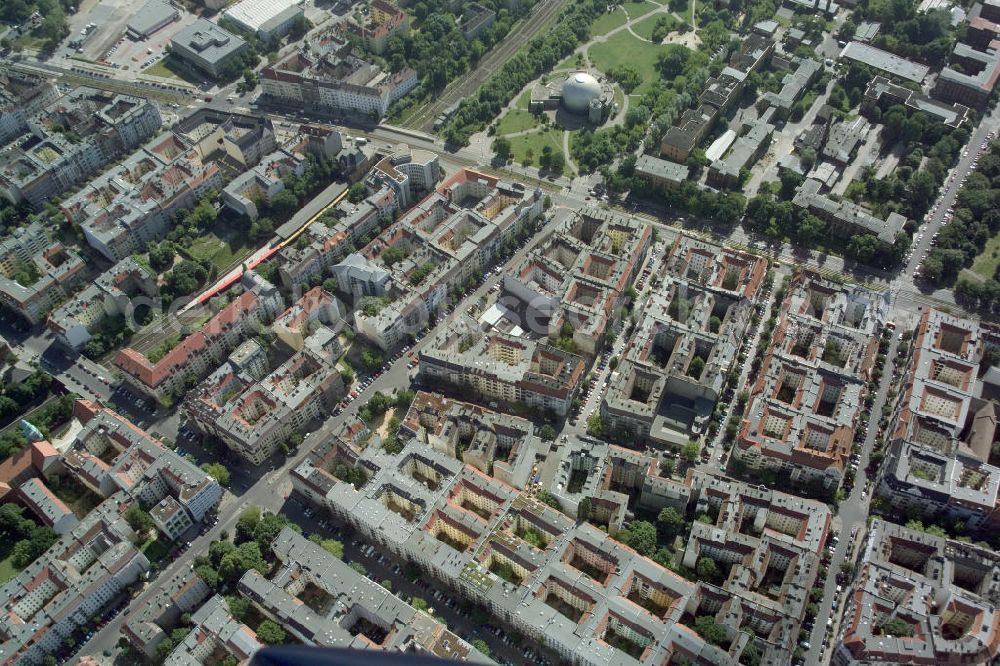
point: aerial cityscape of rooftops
(521, 332)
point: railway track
(469, 82)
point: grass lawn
(621, 49)
(985, 265)
(688, 14)
(535, 142)
(619, 97)
(644, 28)
(155, 550)
(7, 569)
(168, 69)
(220, 252)
(523, 101)
(608, 22)
(516, 121)
(636, 9)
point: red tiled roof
(139, 367)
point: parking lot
(109, 43)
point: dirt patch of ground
(689, 39)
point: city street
(852, 514)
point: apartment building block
(920, 598)
(109, 455)
(685, 343)
(216, 634)
(332, 238)
(330, 79)
(578, 278)
(846, 218)
(566, 585)
(70, 139)
(498, 444)
(768, 546)
(134, 204)
(116, 292)
(263, 182)
(807, 401)
(187, 362)
(316, 309)
(179, 594)
(409, 172)
(21, 97)
(42, 502)
(78, 577)
(254, 415)
(945, 425)
(497, 367)
(383, 21)
(36, 272)
(616, 480)
(442, 244)
(324, 603)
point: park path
(569, 156)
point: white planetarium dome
(578, 92)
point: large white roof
(255, 13)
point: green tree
(690, 451)
(502, 148)
(247, 523)
(706, 627)
(357, 193)
(481, 645)
(419, 603)
(547, 433)
(670, 521)
(584, 509)
(268, 528)
(707, 569)
(270, 633)
(217, 471)
(140, 521)
(595, 425)
(238, 606)
(642, 537)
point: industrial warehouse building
(153, 16)
(265, 18)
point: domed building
(579, 93)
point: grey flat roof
(149, 18)
(665, 169)
(208, 40)
(885, 61)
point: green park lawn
(985, 265)
(7, 569)
(624, 49)
(688, 14)
(221, 253)
(523, 100)
(155, 550)
(516, 121)
(644, 28)
(637, 9)
(608, 22)
(168, 69)
(535, 142)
